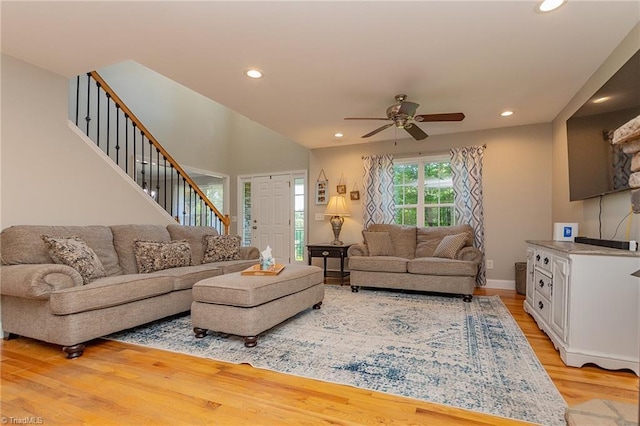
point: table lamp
(337, 209)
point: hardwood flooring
(121, 384)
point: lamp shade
(337, 206)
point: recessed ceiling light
(253, 73)
(549, 5)
(601, 100)
(338, 135)
(506, 113)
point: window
(423, 192)
(298, 225)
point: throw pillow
(379, 243)
(74, 252)
(450, 246)
(154, 256)
(218, 248)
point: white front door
(271, 201)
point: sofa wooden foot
(467, 298)
(317, 305)
(354, 289)
(9, 336)
(250, 341)
(200, 332)
(74, 351)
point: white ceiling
(324, 61)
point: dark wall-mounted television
(596, 167)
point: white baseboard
(501, 284)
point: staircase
(109, 123)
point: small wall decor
(322, 188)
(355, 194)
(341, 188)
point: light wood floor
(120, 384)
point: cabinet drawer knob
(541, 283)
(546, 260)
(538, 257)
(325, 253)
(540, 305)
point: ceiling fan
(403, 113)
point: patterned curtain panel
(466, 170)
(379, 206)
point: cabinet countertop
(586, 249)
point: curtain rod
(416, 154)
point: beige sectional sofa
(437, 259)
(60, 304)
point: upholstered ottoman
(248, 305)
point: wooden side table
(326, 250)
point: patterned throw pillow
(155, 256)
(378, 243)
(450, 246)
(73, 251)
(219, 248)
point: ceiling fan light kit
(402, 115)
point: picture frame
(355, 195)
(342, 189)
(322, 188)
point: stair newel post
(88, 116)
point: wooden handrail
(225, 219)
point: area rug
(433, 348)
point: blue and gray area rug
(432, 348)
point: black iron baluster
(77, 98)
(108, 121)
(117, 134)
(135, 163)
(126, 143)
(150, 168)
(97, 114)
(144, 182)
(164, 168)
(184, 201)
(157, 175)
(173, 202)
(87, 117)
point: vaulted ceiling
(324, 60)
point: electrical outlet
(319, 216)
(489, 264)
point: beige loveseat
(69, 306)
(437, 259)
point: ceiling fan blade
(408, 108)
(367, 118)
(416, 132)
(452, 116)
(378, 130)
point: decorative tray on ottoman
(255, 270)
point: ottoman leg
(250, 341)
(317, 305)
(200, 332)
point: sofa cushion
(378, 263)
(441, 266)
(154, 256)
(450, 246)
(402, 236)
(186, 276)
(74, 252)
(194, 235)
(108, 291)
(220, 248)
(124, 237)
(378, 243)
(429, 238)
(23, 244)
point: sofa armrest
(358, 250)
(471, 254)
(37, 281)
(249, 252)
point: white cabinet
(585, 299)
